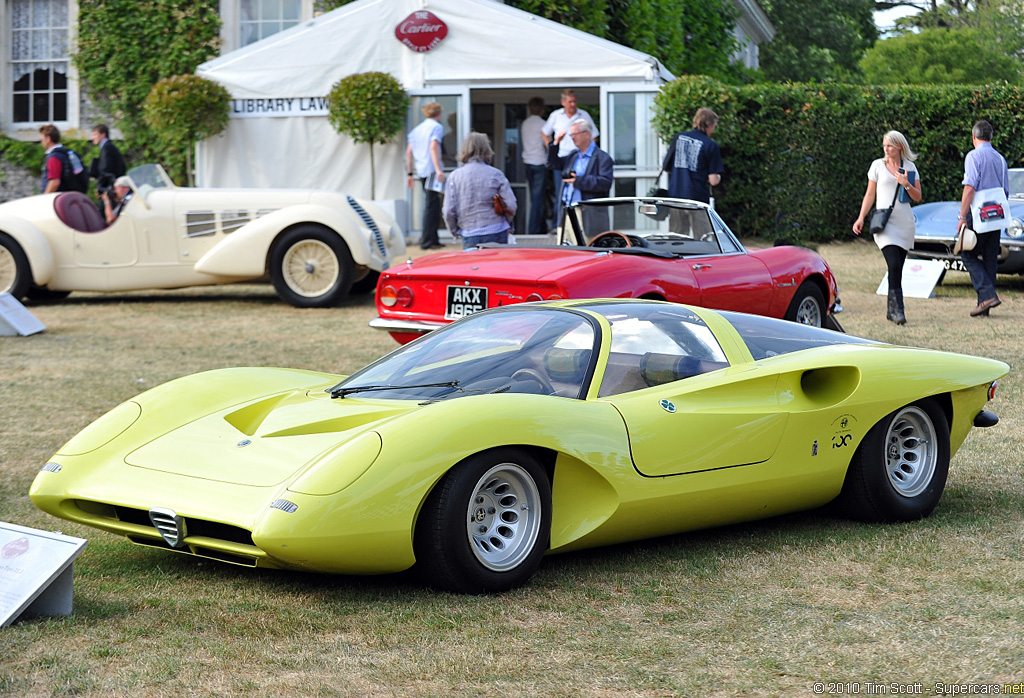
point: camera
(104, 183)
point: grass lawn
(767, 608)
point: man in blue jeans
(984, 168)
(535, 159)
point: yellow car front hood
(262, 443)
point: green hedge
(30, 155)
(796, 155)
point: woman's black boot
(894, 308)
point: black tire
(486, 525)
(311, 267)
(899, 471)
(15, 272)
(807, 306)
(43, 294)
(367, 284)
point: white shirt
(559, 122)
(420, 138)
(534, 150)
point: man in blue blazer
(587, 173)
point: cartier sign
(421, 31)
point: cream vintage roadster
(316, 246)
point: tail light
(992, 389)
(405, 296)
(388, 296)
(537, 297)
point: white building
(279, 61)
(481, 59)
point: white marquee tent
(279, 135)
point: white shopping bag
(990, 210)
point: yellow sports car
(315, 246)
(523, 430)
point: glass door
(454, 119)
(631, 140)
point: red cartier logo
(421, 31)
(14, 548)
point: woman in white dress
(893, 177)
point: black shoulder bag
(878, 217)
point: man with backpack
(63, 169)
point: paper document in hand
(433, 183)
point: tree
(125, 46)
(182, 110)
(939, 57)
(822, 42)
(369, 107)
(1002, 21)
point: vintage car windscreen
(665, 226)
(151, 174)
(767, 337)
(652, 345)
(530, 350)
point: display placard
(35, 572)
(16, 319)
(920, 277)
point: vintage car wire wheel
(504, 515)
(807, 306)
(485, 526)
(311, 267)
(15, 273)
(899, 470)
(911, 451)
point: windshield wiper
(342, 392)
(470, 391)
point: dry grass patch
(761, 609)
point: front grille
(195, 527)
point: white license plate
(954, 264)
(464, 300)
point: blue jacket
(592, 184)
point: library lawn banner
(278, 106)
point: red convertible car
(664, 249)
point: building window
(39, 60)
(262, 18)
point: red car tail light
(992, 390)
(388, 296)
(533, 297)
(555, 297)
(405, 296)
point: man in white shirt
(556, 127)
(423, 159)
(535, 158)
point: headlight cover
(103, 430)
(339, 468)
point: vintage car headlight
(339, 468)
(1015, 229)
(103, 430)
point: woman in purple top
(469, 195)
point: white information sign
(35, 572)
(16, 319)
(920, 277)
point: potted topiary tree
(370, 108)
(182, 110)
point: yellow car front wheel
(486, 525)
